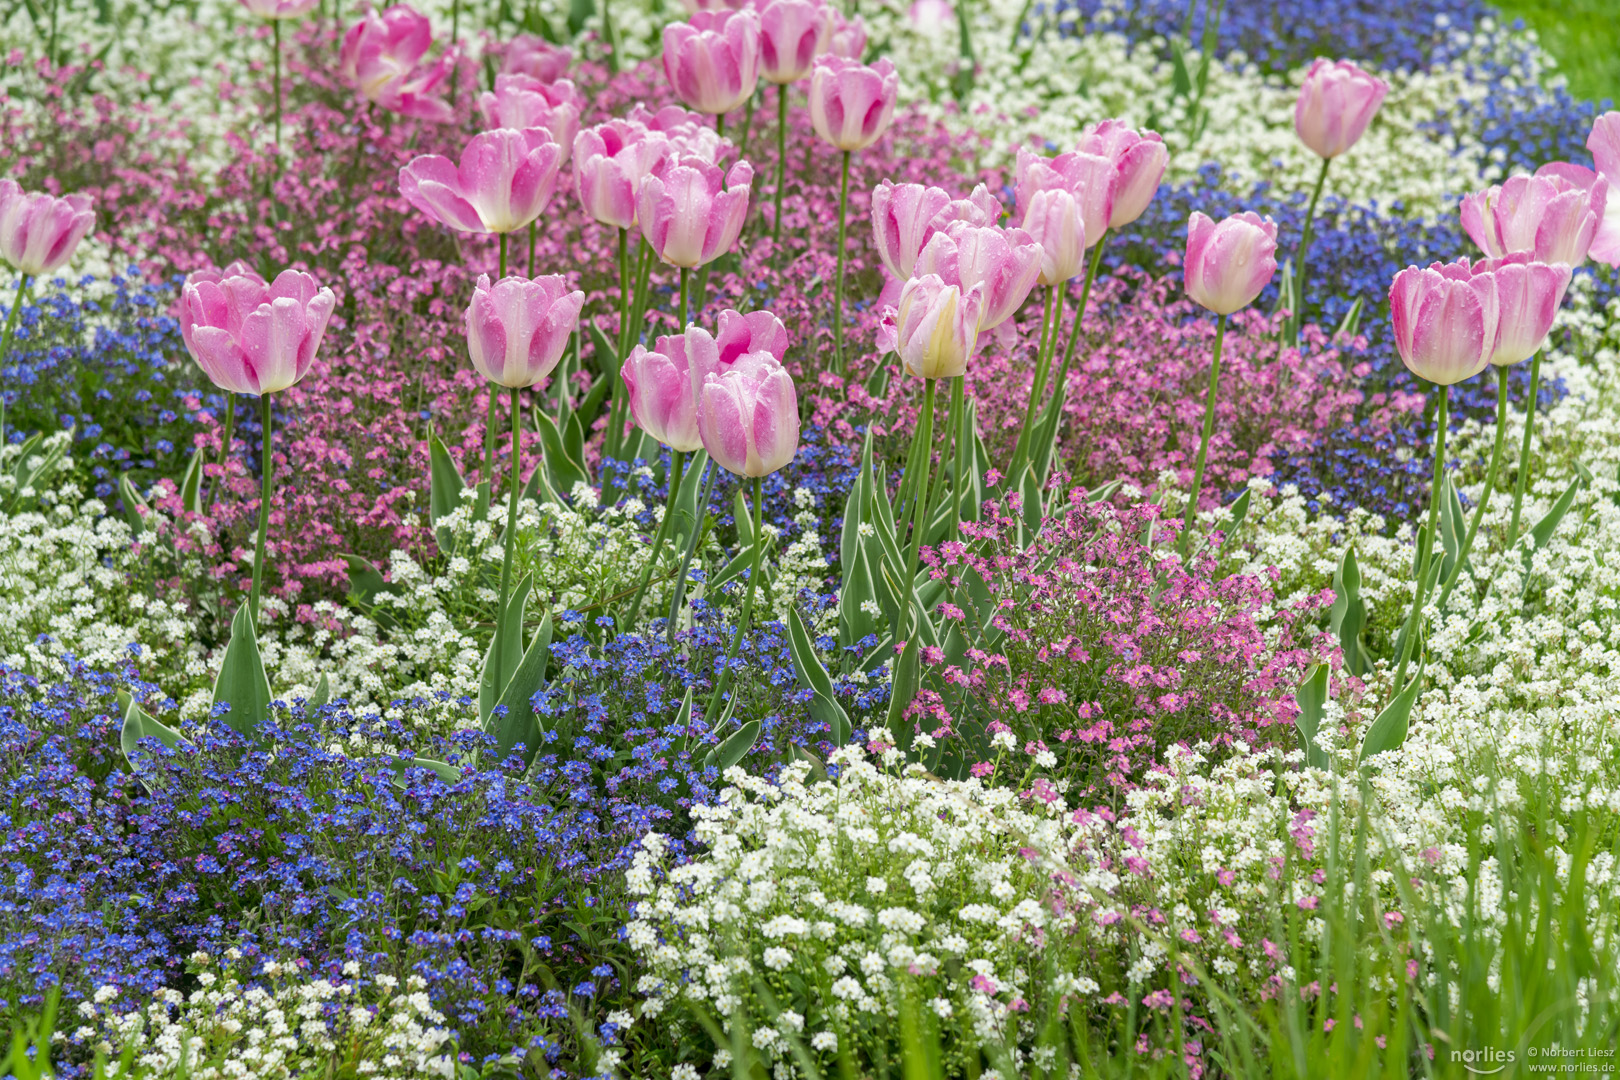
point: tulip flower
(691, 214)
(1604, 143)
(518, 328)
(713, 60)
(1227, 264)
(1336, 103)
(610, 162)
(273, 12)
(379, 58)
(503, 182)
(521, 102)
(1092, 179)
(39, 232)
(1006, 262)
(906, 216)
(937, 326)
(791, 33)
(1550, 215)
(756, 332)
(1053, 220)
(685, 131)
(250, 337)
(534, 56)
(1139, 160)
(845, 37)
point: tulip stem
(533, 229)
(275, 50)
(679, 593)
(624, 292)
(510, 536)
(1425, 543)
(680, 312)
(724, 680)
(266, 473)
(1522, 482)
(12, 316)
(1045, 435)
(838, 287)
(952, 455)
(676, 468)
(1037, 386)
(225, 442)
(1297, 316)
(490, 435)
(748, 127)
(1490, 485)
(781, 159)
(1203, 442)
(922, 441)
(608, 39)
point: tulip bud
(902, 222)
(749, 416)
(1227, 264)
(1139, 161)
(1446, 321)
(1053, 221)
(1336, 103)
(1005, 262)
(937, 326)
(379, 57)
(521, 102)
(713, 60)
(756, 332)
(250, 337)
(504, 181)
(688, 215)
(1528, 296)
(1553, 215)
(518, 329)
(611, 160)
(1604, 143)
(851, 104)
(39, 232)
(791, 33)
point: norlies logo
(1484, 1062)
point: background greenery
(1584, 36)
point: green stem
(679, 593)
(838, 287)
(1522, 482)
(1080, 312)
(677, 466)
(510, 536)
(922, 443)
(1203, 442)
(720, 124)
(275, 49)
(225, 443)
(1490, 485)
(713, 711)
(12, 317)
(1426, 545)
(491, 436)
(950, 452)
(533, 229)
(1297, 317)
(680, 312)
(1046, 434)
(608, 38)
(781, 159)
(1037, 388)
(266, 471)
(748, 128)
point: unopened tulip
(902, 222)
(1446, 321)
(279, 9)
(250, 337)
(756, 332)
(1229, 262)
(1550, 215)
(1528, 296)
(937, 326)
(1604, 143)
(790, 36)
(521, 102)
(1053, 220)
(39, 232)
(691, 213)
(845, 37)
(687, 133)
(610, 162)
(1004, 262)
(518, 329)
(852, 104)
(504, 181)
(713, 60)
(748, 416)
(1336, 103)
(665, 384)
(1092, 179)
(1139, 160)
(379, 58)
(534, 56)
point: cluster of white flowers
(279, 1026)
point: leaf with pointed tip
(1104, 492)
(902, 689)
(1542, 531)
(242, 681)
(606, 352)
(366, 581)
(1388, 731)
(561, 470)
(138, 724)
(813, 676)
(1351, 323)
(735, 748)
(133, 506)
(445, 486)
(1285, 290)
(191, 484)
(1311, 697)
(518, 725)
(1032, 509)
(447, 772)
(498, 670)
(322, 695)
(1237, 512)
(1348, 616)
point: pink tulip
(756, 332)
(694, 6)
(517, 329)
(39, 232)
(1053, 220)
(713, 60)
(748, 416)
(250, 337)
(937, 326)
(902, 222)
(537, 58)
(1336, 103)
(845, 37)
(790, 36)
(688, 133)
(1604, 142)
(852, 104)
(1004, 262)
(504, 181)
(1553, 215)
(1227, 264)
(610, 162)
(1446, 321)
(379, 58)
(689, 213)
(1139, 161)
(521, 102)
(1092, 179)
(666, 383)
(1528, 296)
(279, 9)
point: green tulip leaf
(1388, 730)
(242, 682)
(499, 669)
(813, 676)
(1311, 697)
